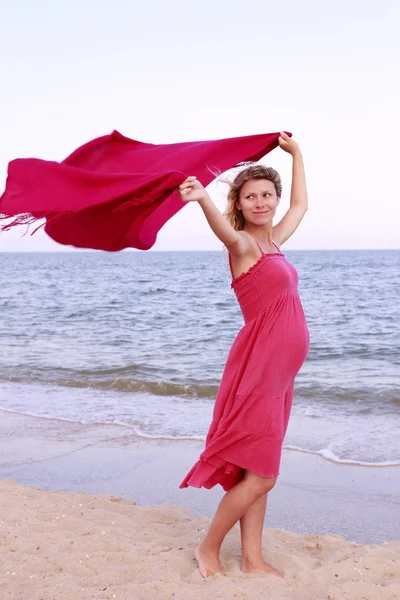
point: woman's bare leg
(251, 530)
(231, 508)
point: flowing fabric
(254, 399)
(114, 192)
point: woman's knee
(260, 485)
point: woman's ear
(237, 205)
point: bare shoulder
(242, 245)
(244, 253)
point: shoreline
(89, 513)
(131, 431)
(312, 495)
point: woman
(252, 408)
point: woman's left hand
(288, 144)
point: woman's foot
(259, 566)
(209, 563)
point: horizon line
(80, 250)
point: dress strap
(260, 249)
(276, 246)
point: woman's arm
(298, 195)
(191, 190)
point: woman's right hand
(191, 190)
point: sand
(64, 545)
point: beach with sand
(94, 514)
(105, 401)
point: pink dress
(254, 399)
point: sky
(165, 72)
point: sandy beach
(91, 512)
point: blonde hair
(233, 214)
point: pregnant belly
(292, 339)
(277, 355)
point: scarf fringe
(29, 219)
(23, 219)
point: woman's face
(258, 201)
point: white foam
(324, 452)
(116, 423)
(142, 434)
(312, 411)
(37, 416)
(331, 456)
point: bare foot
(208, 562)
(260, 566)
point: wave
(124, 384)
(353, 350)
(360, 395)
(132, 379)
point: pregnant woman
(252, 408)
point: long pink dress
(254, 399)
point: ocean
(140, 340)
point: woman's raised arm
(298, 196)
(191, 190)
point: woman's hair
(233, 214)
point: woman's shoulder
(245, 244)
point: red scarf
(114, 192)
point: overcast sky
(168, 71)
